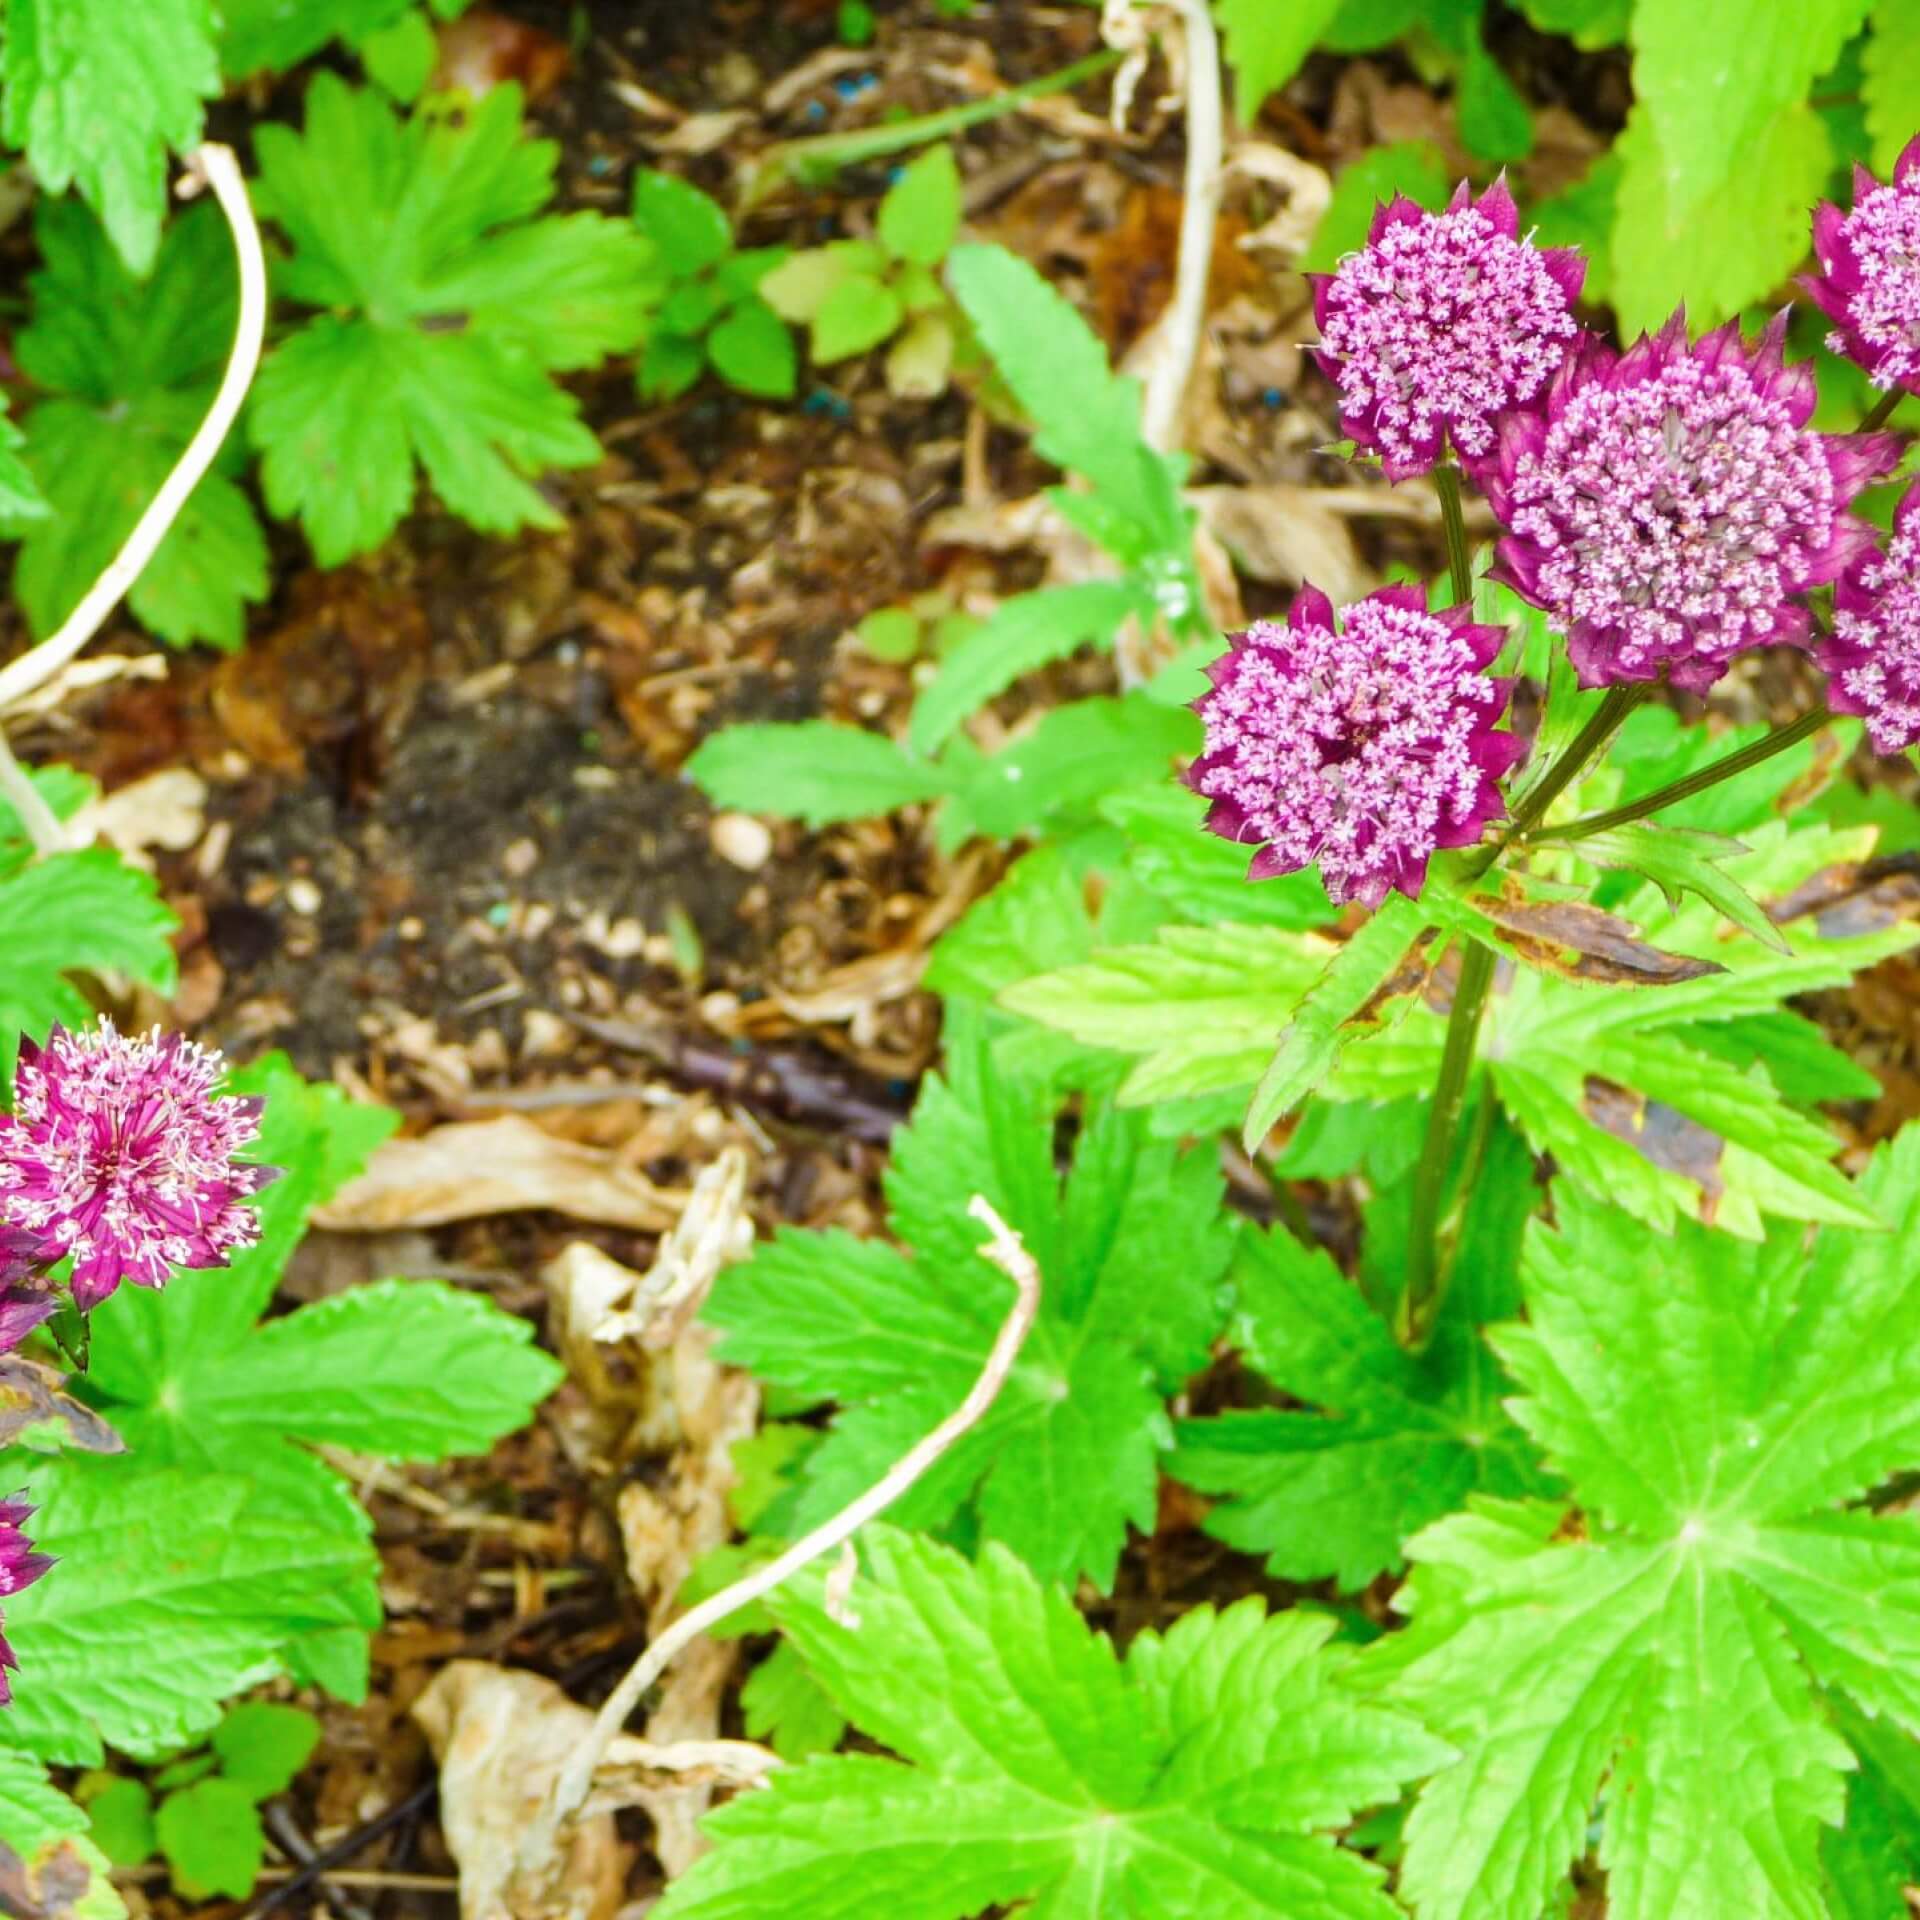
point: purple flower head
(1662, 505)
(1869, 279)
(119, 1152)
(1872, 657)
(20, 1567)
(1364, 747)
(1440, 323)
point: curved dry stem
(221, 171)
(1186, 314)
(1006, 1251)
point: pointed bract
(120, 1153)
(1439, 324)
(20, 1567)
(1364, 747)
(1664, 505)
(1872, 657)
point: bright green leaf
(262, 1746)
(1267, 44)
(921, 212)
(815, 770)
(689, 227)
(859, 312)
(1890, 66)
(120, 1821)
(97, 92)
(1410, 167)
(752, 350)
(401, 58)
(451, 306)
(212, 1839)
(273, 35)
(1194, 1779)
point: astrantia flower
(119, 1152)
(1363, 747)
(20, 1567)
(1869, 279)
(1439, 324)
(1872, 656)
(1663, 505)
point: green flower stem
(1778, 741)
(1533, 804)
(1446, 483)
(1882, 410)
(1426, 1269)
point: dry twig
(1006, 1251)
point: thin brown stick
(1007, 1252)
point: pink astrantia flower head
(1362, 746)
(1440, 323)
(1872, 657)
(119, 1152)
(1663, 505)
(1869, 279)
(20, 1567)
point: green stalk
(1426, 1269)
(1533, 804)
(1778, 741)
(1882, 410)
(1446, 483)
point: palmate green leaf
(1740, 239)
(1028, 631)
(816, 771)
(1874, 1856)
(1132, 1250)
(1194, 1779)
(409, 1370)
(1683, 860)
(458, 306)
(96, 92)
(173, 1591)
(1714, 75)
(1615, 1086)
(212, 1838)
(130, 366)
(1387, 1441)
(1890, 79)
(1201, 1004)
(72, 913)
(1716, 1407)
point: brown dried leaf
(1284, 535)
(477, 1167)
(1663, 1135)
(1610, 951)
(31, 1398)
(51, 1886)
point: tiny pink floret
(1439, 324)
(1363, 746)
(1665, 505)
(120, 1153)
(1868, 284)
(1872, 657)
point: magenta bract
(1869, 279)
(1362, 746)
(20, 1567)
(1663, 505)
(1872, 657)
(120, 1153)
(1440, 323)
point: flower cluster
(1663, 505)
(1869, 279)
(120, 1154)
(20, 1567)
(1364, 745)
(1873, 653)
(1440, 324)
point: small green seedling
(206, 1823)
(851, 295)
(712, 314)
